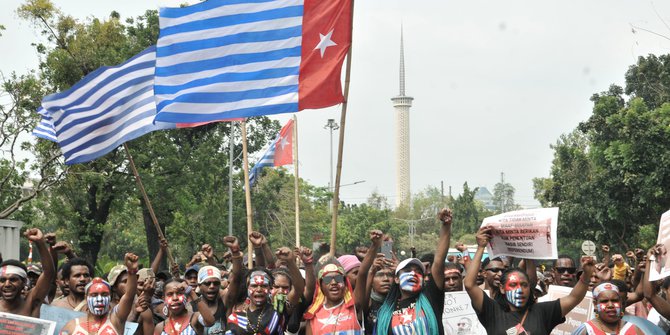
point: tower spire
(402, 63)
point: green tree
(503, 196)
(609, 176)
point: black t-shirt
(406, 308)
(542, 317)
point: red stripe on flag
(284, 145)
(326, 37)
(198, 124)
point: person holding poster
(100, 318)
(609, 311)
(520, 314)
(13, 278)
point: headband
(330, 268)
(97, 281)
(604, 287)
(207, 272)
(263, 274)
(13, 270)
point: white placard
(459, 317)
(528, 233)
(660, 268)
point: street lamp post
(332, 126)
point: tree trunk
(93, 220)
(152, 235)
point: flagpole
(138, 180)
(343, 118)
(247, 190)
(296, 181)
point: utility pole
(332, 126)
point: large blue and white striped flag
(45, 128)
(222, 59)
(106, 108)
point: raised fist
(285, 254)
(305, 255)
(50, 238)
(461, 247)
(376, 236)
(257, 239)
(34, 235)
(232, 243)
(207, 251)
(131, 262)
(445, 215)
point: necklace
(176, 328)
(96, 325)
(601, 326)
(254, 330)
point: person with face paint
(13, 278)
(382, 274)
(608, 307)
(180, 321)
(413, 305)
(259, 311)
(209, 282)
(517, 312)
(100, 317)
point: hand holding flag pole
(148, 203)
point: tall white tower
(402, 103)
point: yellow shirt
(620, 271)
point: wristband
(308, 261)
(188, 290)
(132, 272)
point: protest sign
(12, 324)
(459, 317)
(660, 266)
(61, 316)
(577, 316)
(529, 233)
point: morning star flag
(279, 153)
(222, 59)
(45, 128)
(108, 107)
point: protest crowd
(289, 291)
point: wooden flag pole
(340, 147)
(296, 181)
(138, 180)
(247, 191)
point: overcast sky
(494, 83)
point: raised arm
(126, 302)
(310, 278)
(605, 249)
(162, 250)
(360, 296)
(638, 294)
(470, 281)
(286, 255)
(257, 240)
(208, 252)
(235, 277)
(41, 289)
(203, 312)
(437, 269)
(579, 291)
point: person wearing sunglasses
(336, 307)
(414, 305)
(209, 282)
(519, 313)
(565, 271)
(493, 269)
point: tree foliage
(610, 176)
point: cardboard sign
(577, 316)
(11, 324)
(660, 267)
(529, 234)
(61, 316)
(459, 317)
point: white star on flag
(326, 42)
(283, 142)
